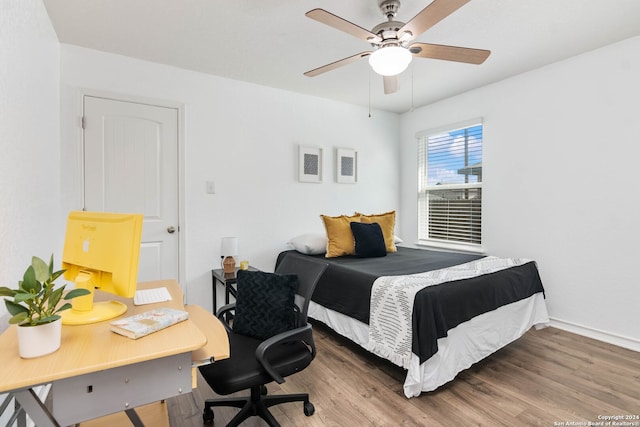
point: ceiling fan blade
(430, 16)
(336, 64)
(449, 53)
(391, 84)
(343, 25)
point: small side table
(227, 280)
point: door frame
(180, 107)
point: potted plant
(35, 307)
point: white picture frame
(346, 166)
(309, 164)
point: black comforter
(345, 287)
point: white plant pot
(35, 341)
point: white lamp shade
(229, 246)
(390, 60)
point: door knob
(171, 229)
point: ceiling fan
(391, 40)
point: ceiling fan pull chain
(412, 72)
(369, 93)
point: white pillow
(309, 243)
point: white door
(131, 165)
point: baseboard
(626, 342)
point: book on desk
(143, 324)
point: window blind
(450, 185)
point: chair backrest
(309, 272)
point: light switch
(211, 187)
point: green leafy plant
(36, 300)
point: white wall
(29, 138)
(29, 143)
(245, 138)
(561, 148)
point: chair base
(257, 404)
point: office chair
(256, 360)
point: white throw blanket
(392, 297)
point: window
(450, 185)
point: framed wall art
(346, 166)
(309, 164)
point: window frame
(424, 188)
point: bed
(432, 313)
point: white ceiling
(272, 43)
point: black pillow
(369, 239)
(264, 303)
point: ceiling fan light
(390, 60)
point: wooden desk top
(93, 347)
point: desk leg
(21, 418)
(35, 408)
(18, 417)
(134, 418)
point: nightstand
(226, 280)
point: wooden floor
(546, 378)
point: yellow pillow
(387, 222)
(339, 236)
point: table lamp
(228, 250)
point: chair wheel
(207, 416)
(263, 390)
(309, 409)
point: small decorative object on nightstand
(228, 250)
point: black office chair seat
(244, 371)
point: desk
(97, 372)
